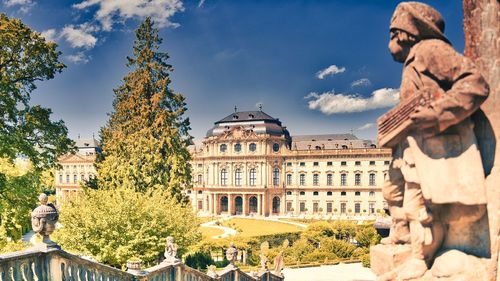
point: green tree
(113, 225)
(145, 141)
(367, 236)
(30, 142)
(25, 58)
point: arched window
(253, 176)
(371, 194)
(315, 193)
(316, 179)
(329, 179)
(357, 179)
(357, 208)
(75, 178)
(372, 179)
(200, 179)
(289, 179)
(288, 193)
(67, 178)
(302, 179)
(343, 179)
(237, 176)
(276, 176)
(302, 193)
(223, 147)
(60, 178)
(223, 177)
(82, 177)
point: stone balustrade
(55, 264)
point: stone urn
(43, 222)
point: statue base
(43, 242)
(385, 258)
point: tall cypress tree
(144, 143)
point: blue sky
(320, 66)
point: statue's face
(399, 45)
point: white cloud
(79, 37)
(49, 34)
(363, 82)
(201, 3)
(365, 126)
(78, 58)
(331, 70)
(332, 103)
(111, 11)
(25, 5)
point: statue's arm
(464, 86)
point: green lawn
(251, 227)
(208, 232)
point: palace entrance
(276, 205)
(253, 204)
(223, 204)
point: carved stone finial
(171, 251)
(43, 222)
(231, 255)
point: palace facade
(249, 164)
(76, 168)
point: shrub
(340, 248)
(365, 260)
(199, 260)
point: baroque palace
(248, 164)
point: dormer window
(235, 117)
(251, 116)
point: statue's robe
(445, 159)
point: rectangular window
(329, 179)
(357, 163)
(357, 208)
(289, 206)
(329, 207)
(343, 163)
(200, 179)
(386, 162)
(75, 178)
(82, 177)
(372, 163)
(223, 177)
(289, 179)
(60, 179)
(315, 163)
(316, 179)
(289, 164)
(315, 207)
(343, 179)
(253, 177)
(357, 179)
(372, 179)
(276, 177)
(302, 179)
(329, 163)
(237, 177)
(342, 208)
(67, 178)
(302, 206)
(200, 204)
(371, 208)
(302, 164)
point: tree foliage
(145, 141)
(25, 129)
(113, 225)
(30, 142)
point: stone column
(245, 206)
(230, 204)
(259, 204)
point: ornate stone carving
(171, 251)
(279, 264)
(43, 222)
(435, 187)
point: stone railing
(55, 264)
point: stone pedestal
(385, 258)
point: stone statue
(279, 264)
(263, 262)
(43, 222)
(231, 255)
(436, 179)
(171, 251)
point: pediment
(238, 133)
(73, 158)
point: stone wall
(482, 45)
